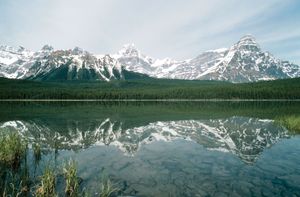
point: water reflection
(167, 149)
(242, 136)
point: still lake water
(166, 148)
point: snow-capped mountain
(245, 137)
(242, 62)
(14, 62)
(50, 64)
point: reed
(13, 186)
(292, 123)
(47, 185)
(13, 149)
(72, 183)
(107, 188)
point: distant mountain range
(48, 64)
(242, 62)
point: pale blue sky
(160, 28)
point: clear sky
(160, 28)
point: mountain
(14, 62)
(49, 64)
(242, 136)
(243, 62)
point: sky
(179, 29)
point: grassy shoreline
(292, 123)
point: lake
(164, 148)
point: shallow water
(166, 148)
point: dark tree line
(149, 89)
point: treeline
(149, 89)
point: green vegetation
(107, 188)
(14, 185)
(72, 183)
(14, 178)
(47, 185)
(149, 89)
(292, 123)
(13, 149)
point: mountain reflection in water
(242, 136)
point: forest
(149, 88)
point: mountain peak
(77, 51)
(21, 49)
(248, 43)
(6, 48)
(47, 47)
(248, 37)
(129, 50)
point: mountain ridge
(49, 64)
(242, 62)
